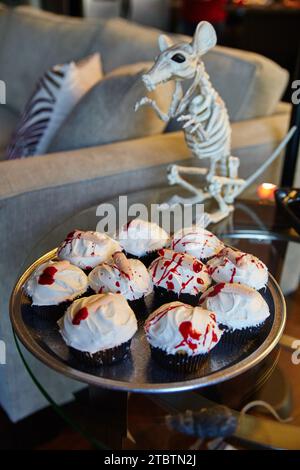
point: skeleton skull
(179, 61)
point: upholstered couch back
(31, 41)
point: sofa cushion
(8, 121)
(106, 114)
(242, 78)
(34, 42)
(57, 93)
(250, 84)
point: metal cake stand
(138, 373)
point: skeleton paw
(142, 102)
(184, 117)
(215, 187)
(173, 175)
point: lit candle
(266, 191)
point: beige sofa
(37, 193)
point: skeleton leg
(175, 178)
(224, 165)
(215, 189)
(212, 169)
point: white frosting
(180, 273)
(237, 306)
(56, 282)
(197, 242)
(87, 249)
(235, 266)
(109, 277)
(176, 327)
(97, 323)
(140, 237)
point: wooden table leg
(111, 408)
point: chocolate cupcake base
(139, 307)
(179, 362)
(103, 358)
(146, 259)
(166, 296)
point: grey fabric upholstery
(106, 114)
(119, 42)
(8, 121)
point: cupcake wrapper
(236, 339)
(55, 312)
(102, 358)
(51, 312)
(169, 296)
(181, 363)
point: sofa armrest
(88, 164)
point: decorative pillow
(106, 113)
(56, 94)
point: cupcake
(241, 311)
(98, 329)
(197, 242)
(141, 239)
(87, 249)
(235, 266)
(181, 336)
(128, 277)
(52, 287)
(179, 276)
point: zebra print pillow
(56, 94)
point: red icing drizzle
(207, 330)
(215, 290)
(70, 237)
(238, 258)
(214, 337)
(186, 330)
(82, 314)
(47, 277)
(184, 284)
(159, 316)
(211, 270)
(175, 261)
(167, 272)
(197, 266)
(233, 274)
(122, 273)
(170, 285)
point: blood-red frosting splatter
(47, 277)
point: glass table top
(253, 227)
